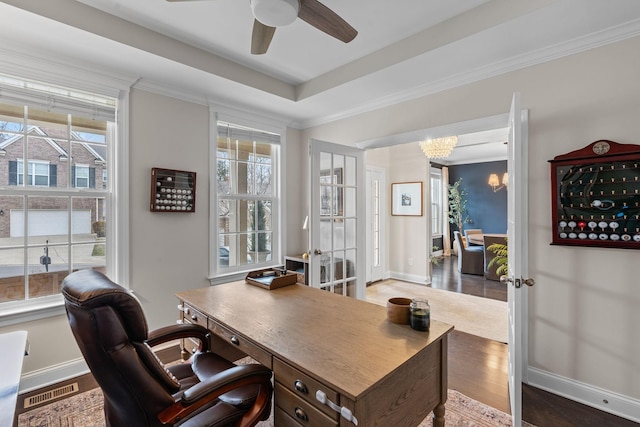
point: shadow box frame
(172, 191)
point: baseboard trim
(595, 397)
(413, 278)
(52, 374)
(167, 352)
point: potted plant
(501, 252)
(458, 214)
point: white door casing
(376, 219)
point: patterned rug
(85, 410)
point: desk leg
(439, 410)
(438, 415)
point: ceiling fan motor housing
(275, 13)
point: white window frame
(278, 213)
(31, 173)
(82, 167)
(117, 254)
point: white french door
(338, 251)
(517, 230)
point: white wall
(169, 251)
(408, 256)
(583, 314)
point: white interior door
(376, 235)
(338, 251)
(517, 202)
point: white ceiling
(404, 49)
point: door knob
(517, 282)
(317, 252)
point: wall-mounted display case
(172, 190)
(596, 196)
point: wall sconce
(494, 182)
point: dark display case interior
(596, 196)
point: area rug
(483, 317)
(85, 410)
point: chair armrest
(210, 389)
(178, 331)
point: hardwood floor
(478, 366)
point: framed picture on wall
(406, 198)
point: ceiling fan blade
(320, 16)
(261, 37)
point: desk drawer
(300, 410)
(191, 315)
(244, 345)
(303, 386)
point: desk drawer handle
(194, 317)
(301, 415)
(235, 340)
(301, 387)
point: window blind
(232, 131)
(59, 100)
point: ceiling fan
(270, 14)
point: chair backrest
(472, 231)
(111, 331)
(457, 240)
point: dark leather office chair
(111, 331)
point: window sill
(32, 310)
(237, 275)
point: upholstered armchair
(470, 258)
(111, 331)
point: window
(81, 176)
(436, 202)
(247, 197)
(48, 227)
(37, 173)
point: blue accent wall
(487, 210)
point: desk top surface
(346, 342)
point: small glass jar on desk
(419, 314)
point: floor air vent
(50, 395)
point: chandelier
(438, 148)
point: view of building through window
(246, 194)
(53, 192)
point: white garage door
(50, 222)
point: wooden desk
(13, 345)
(386, 374)
(478, 239)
